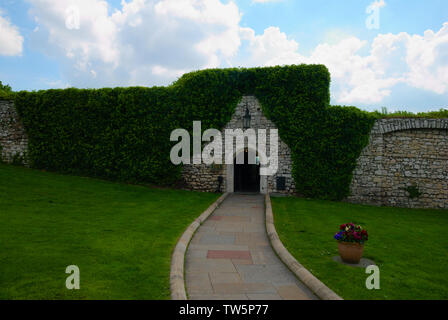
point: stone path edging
(177, 281)
(314, 284)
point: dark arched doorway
(246, 176)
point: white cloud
(418, 61)
(271, 48)
(427, 58)
(167, 73)
(150, 42)
(82, 41)
(11, 41)
(378, 4)
(145, 42)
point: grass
(120, 236)
(409, 245)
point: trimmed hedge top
(123, 133)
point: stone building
(244, 177)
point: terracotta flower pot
(350, 252)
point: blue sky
(402, 64)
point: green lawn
(410, 246)
(120, 236)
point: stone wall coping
(314, 284)
(177, 281)
(383, 126)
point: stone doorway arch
(236, 172)
(221, 177)
(246, 175)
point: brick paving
(230, 258)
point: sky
(380, 53)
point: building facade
(227, 177)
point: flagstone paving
(230, 257)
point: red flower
(350, 232)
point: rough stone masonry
(404, 158)
(13, 139)
(205, 177)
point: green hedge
(384, 114)
(123, 133)
(6, 92)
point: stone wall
(205, 177)
(13, 139)
(404, 154)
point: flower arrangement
(349, 232)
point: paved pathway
(230, 257)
